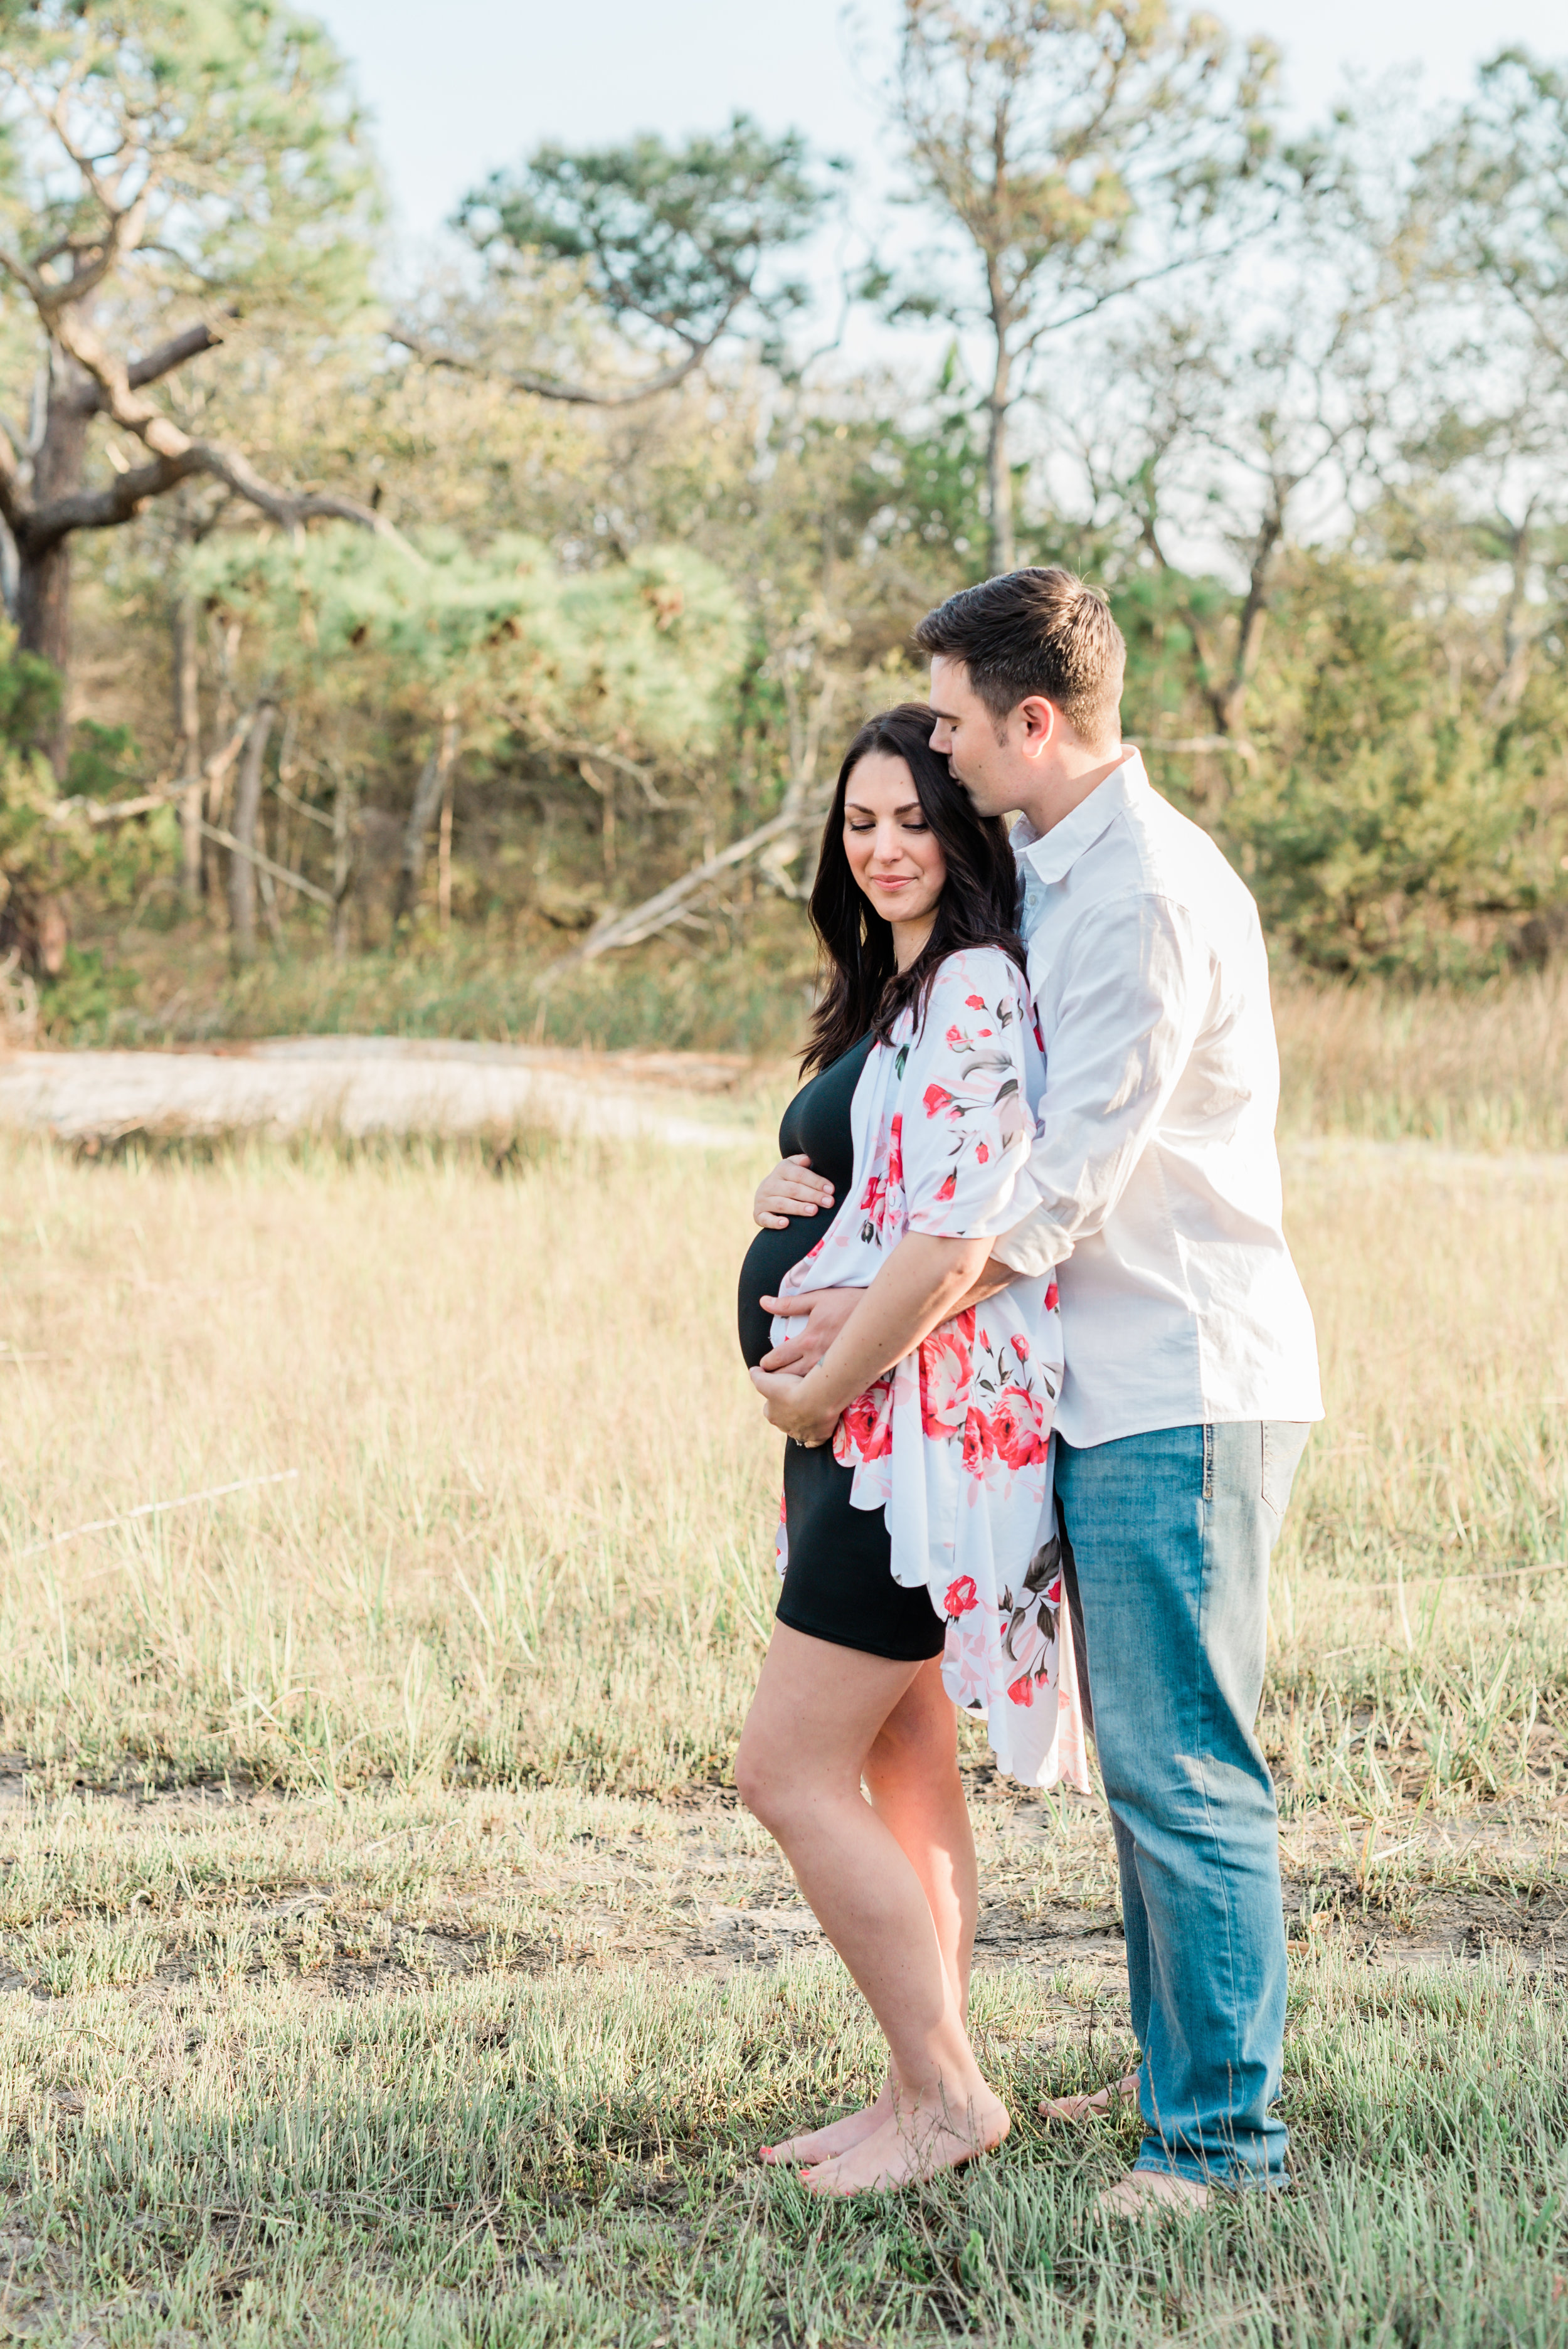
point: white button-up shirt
(1154, 1164)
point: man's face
(988, 761)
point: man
(1191, 1369)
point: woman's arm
(917, 1287)
(828, 1310)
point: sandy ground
(363, 1085)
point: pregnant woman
(914, 1544)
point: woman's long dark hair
(978, 906)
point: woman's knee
(762, 1777)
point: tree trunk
(247, 806)
(428, 793)
(188, 744)
(43, 565)
(1003, 547)
(444, 861)
(342, 862)
(224, 636)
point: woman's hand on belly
(916, 1288)
(790, 1190)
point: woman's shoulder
(986, 974)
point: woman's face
(893, 854)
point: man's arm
(1139, 989)
(918, 1286)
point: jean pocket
(1284, 1442)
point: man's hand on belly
(828, 1309)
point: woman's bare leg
(818, 1711)
(912, 1776)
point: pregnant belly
(767, 1260)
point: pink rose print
(982, 1153)
(975, 1002)
(1016, 1429)
(1022, 1690)
(1021, 1348)
(866, 1427)
(978, 1446)
(961, 1596)
(949, 1188)
(967, 1663)
(946, 1372)
(1051, 1299)
(937, 1101)
(895, 1153)
(955, 1037)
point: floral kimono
(953, 1443)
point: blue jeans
(1166, 1542)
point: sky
(457, 90)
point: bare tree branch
(119, 500)
(544, 386)
(88, 399)
(171, 355)
(178, 456)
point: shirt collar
(1051, 855)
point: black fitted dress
(838, 1584)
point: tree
(1396, 822)
(162, 153)
(1486, 228)
(1229, 431)
(1489, 206)
(1078, 148)
(622, 677)
(675, 246)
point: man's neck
(1068, 786)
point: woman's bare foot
(915, 2143)
(1102, 2101)
(837, 2136)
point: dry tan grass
(1482, 1068)
(529, 1532)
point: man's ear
(1039, 723)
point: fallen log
(668, 906)
(310, 889)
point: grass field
(387, 1957)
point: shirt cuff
(1034, 1247)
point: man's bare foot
(911, 2144)
(838, 2137)
(1102, 2100)
(1145, 2193)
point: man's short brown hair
(1036, 631)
